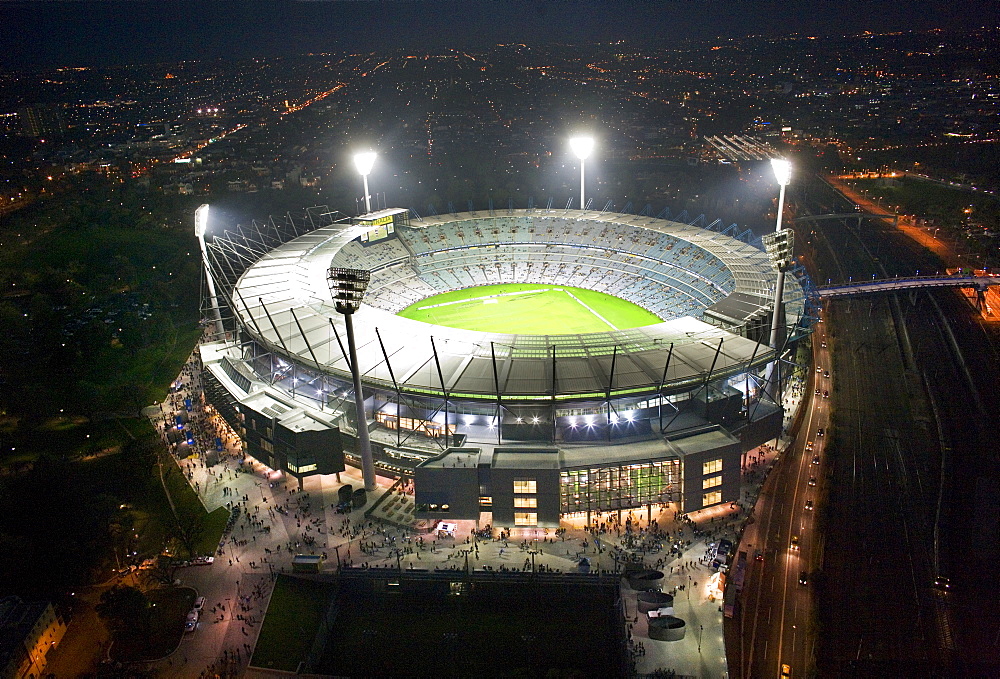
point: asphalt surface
(906, 485)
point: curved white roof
(283, 301)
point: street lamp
(348, 287)
(364, 162)
(582, 146)
(779, 250)
(200, 226)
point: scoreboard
(382, 224)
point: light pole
(582, 146)
(200, 225)
(364, 162)
(348, 287)
(779, 249)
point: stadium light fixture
(364, 163)
(347, 286)
(780, 252)
(582, 148)
(782, 170)
(200, 227)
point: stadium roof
(282, 301)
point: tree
(189, 528)
(124, 607)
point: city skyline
(99, 33)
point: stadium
(520, 366)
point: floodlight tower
(779, 249)
(200, 225)
(582, 147)
(364, 162)
(347, 286)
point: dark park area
(450, 625)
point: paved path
(278, 520)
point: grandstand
(682, 389)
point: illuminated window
(525, 519)
(712, 482)
(307, 468)
(486, 501)
(525, 502)
(525, 486)
(711, 467)
(266, 446)
(713, 498)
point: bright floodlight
(582, 146)
(782, 170)
(364, 162)
(201, 220)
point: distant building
(41, 121)
(28, 631)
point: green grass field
(530, 309)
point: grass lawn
(186, 500)
(166, 626)
(528, 308)
(291, 623)
(506, 630)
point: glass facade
(525, 486)
(525, 519)
(619, 487)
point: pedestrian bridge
(980, 283)
(847, 215)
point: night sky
(99, 32)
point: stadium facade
(520, 430)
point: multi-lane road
(773, 626)
(901, 424)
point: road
(905, 417)
(905, 401)
(773, 625)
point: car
(758, 556)
(826, 394)
(817, 392)
(202, 560)
(803, 578)
(199, 603)
(809, 445)
(819, 432)
(819, 369)
(815, 459)
(942, 583)
(824, 344)
(786, 671)
(795, 543)
(809, 505)
(192, 621)
(826, 373)
(812, 480)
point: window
(486, 502)
(525, 486)
(713, 498)
(712, 481)
(525, 502)
(525, 519)
(711, 467)
(266, 446)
